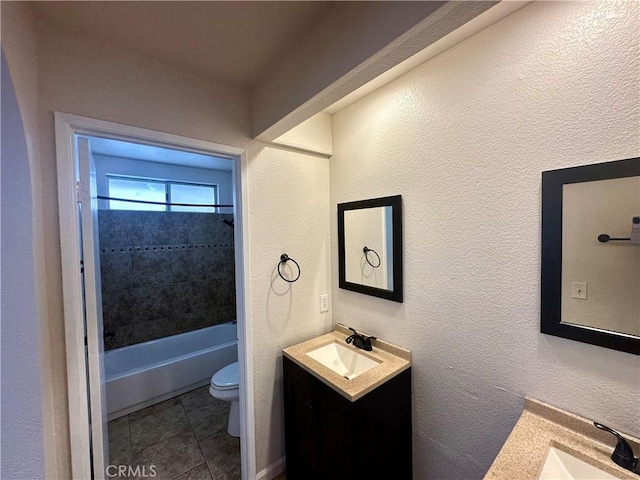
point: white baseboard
(272, 471)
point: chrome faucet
(360, 341)
(623, 453)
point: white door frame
(66, 126)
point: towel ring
(284, 258)
(366, 250)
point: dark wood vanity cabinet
(328, 437)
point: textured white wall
(464, 138)
(313, 135)
(22, 445)
(612, 270)
(288, 198)
(19, 43)
(288, 213)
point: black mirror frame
(551, 277)
(395, 202)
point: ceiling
(296, 57)
(232, 41)
(150, 153)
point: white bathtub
(146, 373)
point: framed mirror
(370, 247)
(590, 288)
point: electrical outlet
(579, 290)
(324, 303)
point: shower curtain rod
(102, 197)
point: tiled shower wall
(164, 273)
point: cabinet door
(384, 430)
(328, 437)
(318, 428)
(301, 425)
(337, 454)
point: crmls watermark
(136, 471)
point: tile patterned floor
(185, 438)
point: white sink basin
(343, 360)
(560, 465)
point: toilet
(224, 386)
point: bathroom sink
(342, 360)
(560, 465)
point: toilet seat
(226, 378)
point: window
(136, 189)
(194, 194)
(163, 195)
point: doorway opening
(160, 292)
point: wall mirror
(370, 247)
(591, 254)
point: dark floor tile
(157, 427)
(195, 398)
(119, 441)
(222, 453)
(201, 472)
(207, 415)
(171, 457)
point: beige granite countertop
(393, 360)
(542, 426)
